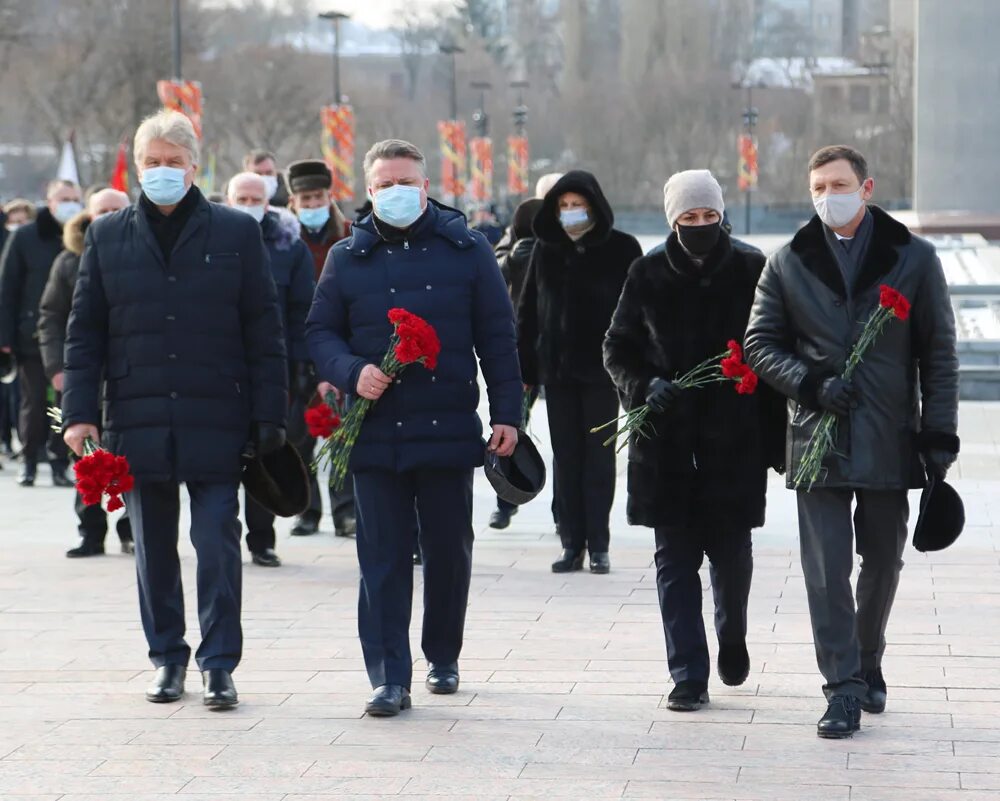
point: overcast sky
(376, 13)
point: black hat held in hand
(942, 515)
(278, 481)
(517, 478)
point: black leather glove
(660, 394)
(303, 379)
(938, 461)
(838, 396)
(522, 248)
(266, 437)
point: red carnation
(102, 473)
(732, 367)
(321, 421)
(748, 383)
(735, 351)
(894, 301)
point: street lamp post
(750, 116)
(451, 49)
(335, 17)
(177, 39)
(479, 116)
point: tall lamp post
(517, 146)
(452, 49)
(748, 150)
(338, 123)
(335, 17)
(177, 39)
(452, 135)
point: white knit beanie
(545, 183)
(691, 189)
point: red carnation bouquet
(98, 472)
(413, 341)
(892, 305)
(725, 366)
(323, 418)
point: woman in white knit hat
(699, 481)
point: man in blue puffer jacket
(420, 443)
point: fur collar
(810, 245)
(48, 226)
(74, 231)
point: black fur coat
(707, 463)
(571, 290)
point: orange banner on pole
(338, 148)
(481, 169)
(517, 164)
(453, 157)
(119, 178)
(748, 169)
(182, 96)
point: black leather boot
(220, 692)
(388, 700)
(600, 562)
(168, 685)
(734, 663)
(568, 562)
(26, 478)
(874, 700)
(442, 679)
(688, 696)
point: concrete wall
(957, 115)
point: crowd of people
(190, 335)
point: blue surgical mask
(314, 218)
(164, 186)
(257, 212)
(574, 218)
(66, 210)
(398, 205)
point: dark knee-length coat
(707, 463)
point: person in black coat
(53, 317)
(422, 438)
(292, 270)
(176, 308)
(24, 271)
(15, 213)
(699, 480)
(513, 261)
(576, 273)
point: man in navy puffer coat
(175, 312)
(421, 441)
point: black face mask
(699, 239)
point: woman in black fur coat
(700, 480)
(576, 273)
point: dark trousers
(154, 508)
(850, 639)
(584, 468)
(34, 429)
(390, 507)
(94, 522)
(341, 501)
(679, 555)
(260, 525)
(9, 402)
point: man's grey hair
(170, 126)
(56, 184)
(245, 178)
(394, 149)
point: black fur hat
(278, 481)
(942, 516)
(517, 478)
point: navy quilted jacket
(448, 275)
(191, 347)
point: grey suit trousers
(850, 639)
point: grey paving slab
(564, 677)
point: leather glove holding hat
(838, 396)
(264, 438)
(661, 394)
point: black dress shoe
(220, 692)
(26, 478)
(60, 479)
(688, 696)
(734, 663)
(442, 679)
(500, 518)
(128, 547)
(842, 718)
(345, 526)
(875, 698)
(304, 527)
(168, 684)
(86, 548)
(388, 700)
(568, 562)
(266, 558)
(600, 563)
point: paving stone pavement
(563, 677)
